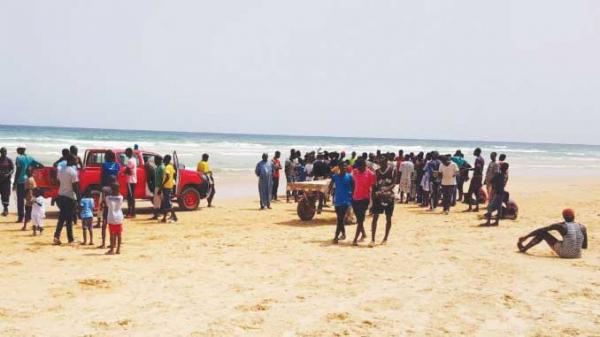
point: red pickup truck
(190, 185)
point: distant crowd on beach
(367, 183)
(370, 182)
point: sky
(465, 70)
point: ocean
(236, 154)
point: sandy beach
(235, 271)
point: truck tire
(189, 199)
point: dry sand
(236, 271)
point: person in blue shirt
(22, 163)
(87, 216)
(264, 172)
(344, 187)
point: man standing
(264, 172)
(448, 171)
(68, 197)
(276, 169)
(383, 200)
(204, 168)
(159, 171)
(476, 181)
(131, 172)
(495, 205)
(406, 170)
(6, 170)
(166, 190)
(23, 162)
(492, 171)
(289, 173)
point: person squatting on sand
(574, 237)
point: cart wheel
(306, 209)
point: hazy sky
(489, 70)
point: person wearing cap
(6, 170)
(22, 163)
(574, 237)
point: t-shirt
(407, 168)
(23, 162)
(448, 173)
(498, 183)
(6, 168)
(38, 211)
(87, 208)
(203, 167)
(478, 168)
(276, 167)
(109, 169)
(115, 213)
(67, 175)
(363, 182)
(385, 183)
(159, 173)
(169, 182)
(132, 176)
(343, 189)
(492, 171)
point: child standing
(114, 203)
(87, 217)
(38, 212)
(29, 187)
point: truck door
(140, 187)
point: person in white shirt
(406, 170)
(131, 172)
(114, 202)
(448, 170)
(38, 212)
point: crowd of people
(375, 182)
(368, 183)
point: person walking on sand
(204, 168)
(342, 199)
(448, 171)
(383, 200)
(574, 237)
(6, 170)
(276, 169)
(492, 170)
(495, 205)
(476, 181)
(363, 182)
(131, 173)
(23, 162)
(264, 172)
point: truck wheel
(306, 209)
(189, 199)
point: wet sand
(235, 271)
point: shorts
(380, 208)
(86, 223)
(115, 228)
(156, 199)
(360, 209)
(166, 204)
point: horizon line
(289, 135)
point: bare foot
(24, 228)
(110, 252)
(520, 246)
(354, 243)
(372, 244)
(91, 244)
(118, 252)
(383, 242)
(101, 247)
(83, 243)
(335, 241)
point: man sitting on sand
(574, 237)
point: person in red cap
(574, 237)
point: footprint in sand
(262, 306)
(337, 316)
(95, 283)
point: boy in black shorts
(384, 198)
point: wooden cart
(307, 205)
